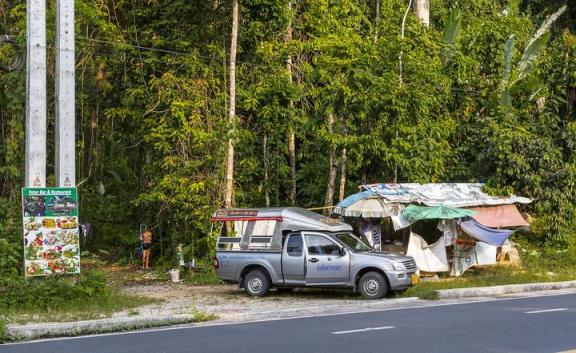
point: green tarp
(415, 213)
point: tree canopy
(486, 93)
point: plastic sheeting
(488, 235)
(448, 194)
(467, 256)
(416, 213)
(485, 253)
(352, 199)
(449, 228)
(429, 258)
(399, 222)
(499, 216)
(464, 258)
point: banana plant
(451, 32)
(516, 79)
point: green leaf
(452, 27)
(451, 32)
(530, 54)
(508, 55)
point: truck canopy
(263, 227)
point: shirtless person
(146, 245)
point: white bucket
(175, 275)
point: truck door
(293, 265)
(325, 264)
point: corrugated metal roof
(447, 194)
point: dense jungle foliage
(478, 96)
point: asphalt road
(536, 324)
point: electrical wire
(132, 46)
(171, 52)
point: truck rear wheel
(373, 285)
(257, 283)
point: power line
(180, 53)
(141, 47)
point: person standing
(146, 245)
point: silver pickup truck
(293, 247)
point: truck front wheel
(257, 283)
(373, 285)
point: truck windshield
(353, 242)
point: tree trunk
(228, 202)
(266, 181)
(292, 152)
(377, 21)
(570, 102)
(332, 172)
(291, 132)
(343, 162)
(422, 10)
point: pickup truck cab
(293, 247)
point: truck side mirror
(342, 251)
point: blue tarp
(347, 202)
(492, 236)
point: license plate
(415, 279)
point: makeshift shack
(445, 227)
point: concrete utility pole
(65, 95)
(36, 94)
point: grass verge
(96, 308)
(486, 277)
(61, 299)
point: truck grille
(409, 265)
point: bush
(3, 329)
(52, 292)
(544, 256)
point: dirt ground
(231, 303)
(227, 301)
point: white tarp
(429, 258)
(485, 253)
(447, 194)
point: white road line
(363, 330)
(545, 311)
(234, 323)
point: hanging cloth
(429, 258)
(488, 235)
(450, 231)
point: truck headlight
(398, 266)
